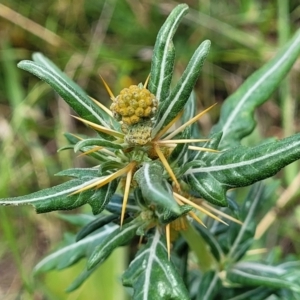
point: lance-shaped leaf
(152, 275)
(94, 225)
(71, 93)
(81, 173)
(150, 180)
(119, 237)
(190, 110)
(102, 196)
(241, 166)
(209, 286)
(56, 198)
(116, 203)
(256, 274)
(211, 241)
(80, 279)
(164, 54)
(260, 293)
(172, 106)
(177, 156)
(240, 238)
(70, 254)
(237, 113)
(96, 142)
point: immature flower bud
(134, 104)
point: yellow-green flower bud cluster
(133, 104)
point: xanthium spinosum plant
(172, 187)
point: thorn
(104, 180)
(183, 199)
(204, 149)
(100, 128)
(102, 106)
(147, 81)
(182, 141)
(166, 128)
(126, 192)
(191, 121)
(195, 217)
(222, 213)
(168, 234)
(166, 165)
(111, 95)
(91, 151)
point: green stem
(200, 248)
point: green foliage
(154, 188)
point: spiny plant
(171, 187)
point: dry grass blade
(31, 26)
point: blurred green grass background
(115, 39)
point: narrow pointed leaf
(71, 253)
(72, 94)
(190, 110)
(80, 279)
(209, 286)
(260, 293)
(164, 54)
(81, 173)
(237, 113)
(152, 275)
(150, 180)
(119, 237)
(255, 274)
(102, 196)
(177, 155)
(94, 225)
(241, 236)
(241, 167)
(96, 142)
(176, 101)
(212, 242)
(116, 202)
(55, 198)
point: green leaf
(81, 173)
(70, 254)
(240, 238)
(152, 275)
(96, 142)
(177, 156)
(102, 196)
(79, 280)
(190, 110)
(237, 113)
(241, 166)
(117, 238)
(255, 274)
(211, 241)
(116, 202)
(176, 101)
(76, 219)
(164, 54)
(71, 93)
(260, 293)
(209, 286)
(150, 180)
(55, 198)
(94, 225)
